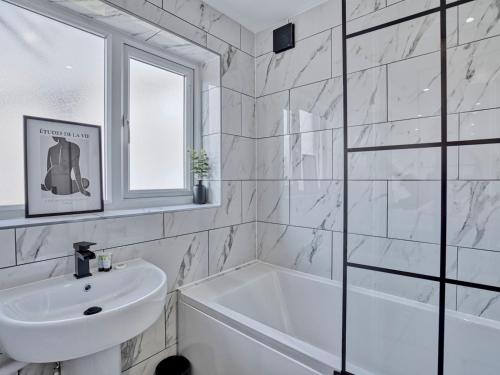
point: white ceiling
(258, 15)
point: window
(48, 69)
(158, 106)
(66, 67)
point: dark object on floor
(284, 38)
(175, 365)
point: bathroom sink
(45, 321)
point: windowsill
(111, 214)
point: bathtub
(263, 319)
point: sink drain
(92, 310)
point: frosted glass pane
(156, 128)
(47, 69)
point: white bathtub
(263, 319)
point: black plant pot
(199, 193)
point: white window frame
(188, 73)
(114, 138)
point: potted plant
(200, 168)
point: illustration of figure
(63, 161)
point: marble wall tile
(309, 61)
(238, 158)
(473, 214)
(480, 124)
(318, 19)
(473, 76)
(481, 162)
(273, 158)
(394, 43)
(264, 41)
(171, 320)
(311, 155)
(229, 213)
(206, 18)
(273, 201)
(478, 20)
(51, 241)
(415, 87)
(148, 367)
(184, 258)
(414, 210)
(374, 12)
(248, 124)
(249, 201)
(272, 114)
(318, 106)
(231, 247)
(237, 66)
(337, 255)
(367, 96)
(358, 8)
(317, 204)
(212, 145)
(301, 249)
(337, 59)
(231, 112)
(38, 369)
(482, 303)
(210, 73)
(410, 164)
(7, 248)
(211, 111)
(368, 207)
(338, 154)
(247, 41)
(143, 346)
(408, 256)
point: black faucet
(82, 258)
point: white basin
(45, 322)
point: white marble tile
(210, 73)
(273, 201)
(45, 242)
(7, 248)
(273, 158)
(308, 62)
(148, 367)
(482, 303)
(320, 18)
(410, 164)
(480, 124)
(229, 213)
(184, 258)
(301, 249)
(264, 41)
(473, 77)
(318, 106)
(338, 154)
(231, 112)
(368, 207)
(237, 66)
(317, 204)
(212, 145)
(272, 114)
(394, 43)
(474, 214)
(249, 201)
(38, 369)
(179, 47)
(478, 20)
(247, 41)
(311, 155)
(144, 345)
(414, 210)
(358, 8)
(248, 123)
(479, 162)
(238, 158)
(211, 111)
(337, 59)
(415, 87)
(367, 96)
(232, 247)
(408, 256)
(337, 255)
(171, 320)
(381, 14)
(206, 18)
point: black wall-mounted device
(284, 38)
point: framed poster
(62, 167)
